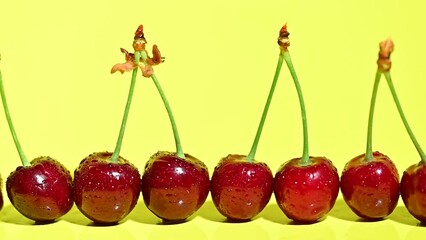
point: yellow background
(220, 59)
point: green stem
(404, 120)
(179, 150)
(116, 153)
(24, 159)
(369, 149)
(252, 153)
(305, 157)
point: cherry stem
(252, 153)
(369, 150)
(305, 157)
(404, 120)
(116, 153)
(24, 159)
(179, 150)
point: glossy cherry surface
(413, 190)
(240, 189)
(306, 193)
(174, 188)
(41, 192)
(371, 188)
(106, 192)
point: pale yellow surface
(220, 59)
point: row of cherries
(174, 185)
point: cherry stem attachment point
(402, 115)
(24, 159)
(179, 150)
(252, 153)
(116, 153)
(305, 156)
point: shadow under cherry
(10, 215)
(402, 216)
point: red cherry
(241, 189)
(106, 192)
(42, 191)
(370, 188)
(413, 190)
(306, 193)
(174, 188)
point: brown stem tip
(384, 63)
(139, 32)
(283, 40)
(139, 39)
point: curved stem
(24, 159)
(305, 157)
(116, 153)
(179, 150)
(404, 120)
(369, 149)
(252, 153)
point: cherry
(370, 188)
(106, 186)
(317, 182)
(241, 186)
(240, 189)
(370, 182)
(305, 188)
(174, 185)
(413, 181)
(40, 190)
(413, 190)
(180, 191)
(106, 191)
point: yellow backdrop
(220, 58)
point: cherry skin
(106, 192)
(42, 191)
(306, 193)
(241, 189)
(174, 188)
(413, 190)
(370, 188)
